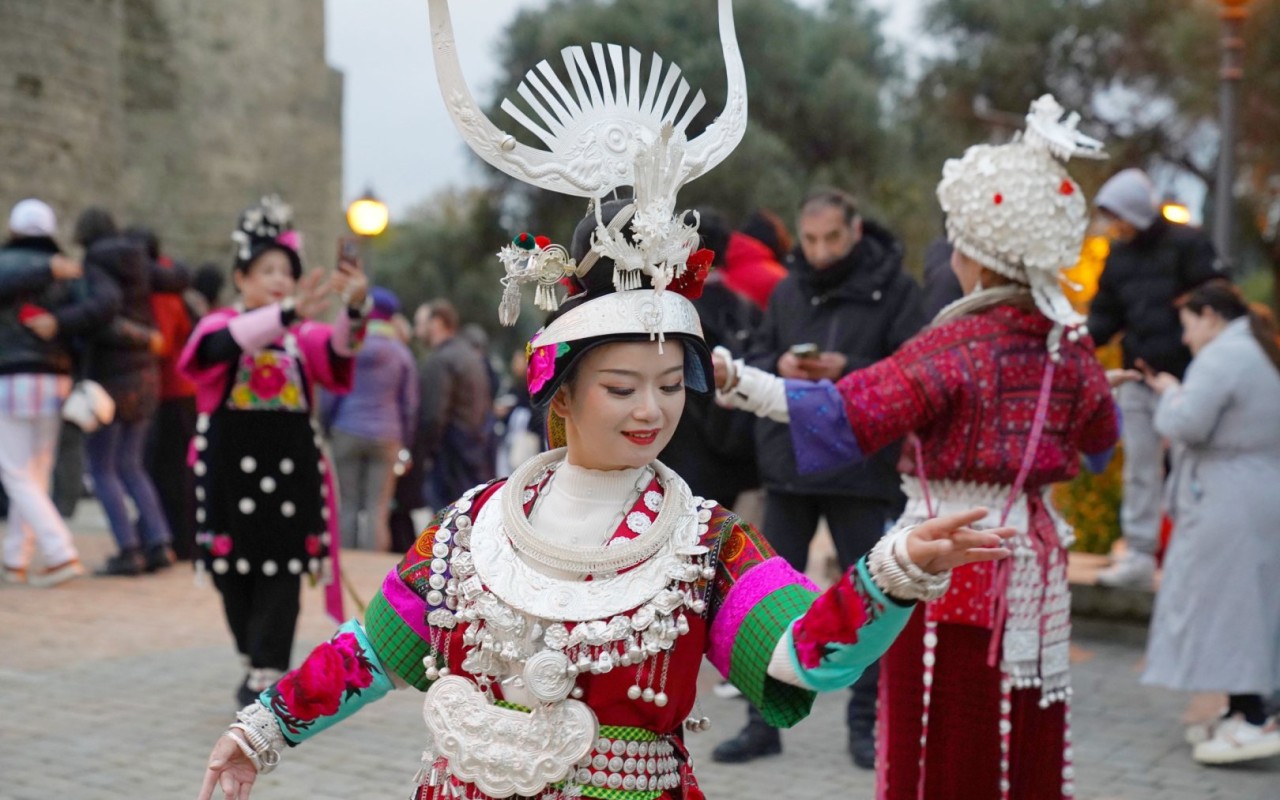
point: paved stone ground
(117, 688)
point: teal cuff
(327, 688)
(844, 663)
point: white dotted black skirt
(260, 496)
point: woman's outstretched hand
(229, 768)
(944, 543)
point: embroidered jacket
(968, 389)
(753, 601)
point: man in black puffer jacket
(846, 304)
(1152, 263)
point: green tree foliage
(817, 81)
(445, 248)
(1144, 74)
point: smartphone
(349, 251)
(804, 351)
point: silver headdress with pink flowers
(614, 128)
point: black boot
(755, 740)
(862, 718)
(245, 695)
(158, 557)
(126, 562)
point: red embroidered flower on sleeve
(834, 618)
(357, 672)
(314, 689)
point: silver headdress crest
(1016, 210)
(614, 128)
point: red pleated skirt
(962, 752)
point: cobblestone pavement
(117, 688)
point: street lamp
(1231, 71)
(367, 215)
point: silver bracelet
(897, 576)
(260, 733)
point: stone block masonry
(172, 113)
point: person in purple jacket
(372, 428)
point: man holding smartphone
(846, 303)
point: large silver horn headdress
(615, 127)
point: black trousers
(166, 461)
(262, 613)
(856, 523)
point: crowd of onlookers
(433, 413)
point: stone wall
(172, 113)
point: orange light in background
(1080, 283)
(1176, 212)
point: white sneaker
(726, 690)
(1198, 732)
(52, 576)
(1130, 571)
(1235, 740)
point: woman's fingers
(210, 783)
(966, 538)
(945, 526)
(979, 554)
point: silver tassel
(509, 308)
(546, 298)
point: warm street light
(1232, 13)
(367, 215)
(1176, 212)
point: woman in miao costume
(557, 620)
(1004, 394)
(264, 510)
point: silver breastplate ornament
(538, 633)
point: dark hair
(830, 198)
(145, 237)
(715, 232)
(1226, 301)
(208, 281)
(93, 224)
(444, 311)
(767, 227)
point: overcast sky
(397, 136)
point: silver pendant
(504, 752)
(546, 676)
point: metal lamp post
(1233, 13)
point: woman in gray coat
(1217, 617)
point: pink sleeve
(210, 380)
(332, 371)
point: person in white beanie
(1152, 263)
(40, 309)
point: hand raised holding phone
(349, 280)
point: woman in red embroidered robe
(557, 620)
(1003, 394)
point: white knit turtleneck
(583, 507)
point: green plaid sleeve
(781, 704)
(399, 647)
